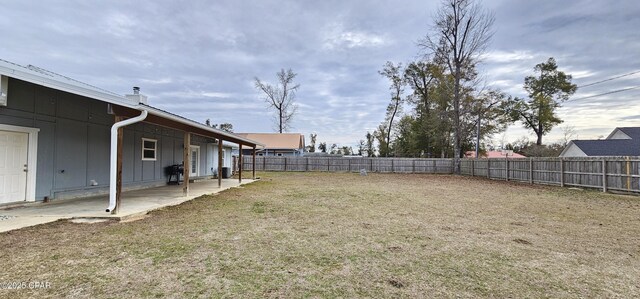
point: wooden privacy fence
(350, 164)
(606, 173)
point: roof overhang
(120, 105)
(165, 119)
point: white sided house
(60, 138)
(623, 141)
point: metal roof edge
(10, 69)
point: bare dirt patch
(345, 235)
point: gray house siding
(74, 138)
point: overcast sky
(198, 58)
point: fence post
(307, 165)
(413, 166)
(507, 171)
(488, 168)
(371, 162)
(328, 163)
(435, 166)
(285, 163)
(473, 167)
(561, 172)
(349, 170)
(628, 173)
(530, 170)
(453, 166)
(604, 175)
(392, 170)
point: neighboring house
(56, 139)
(494, 154)
(623, 141)
(277, 144)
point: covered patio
(134, 204)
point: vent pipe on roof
(136, 97)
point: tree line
(449, 110)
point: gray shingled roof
(610, 147)
(633, 132)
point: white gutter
(113, 167)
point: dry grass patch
(345, 235)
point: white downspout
(113, 167)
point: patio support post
(220, 163)
(113, 156)
(118, 166)
(240, 161)
(253, 168)
(186, 163)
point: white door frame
(197, 148)
(32, 157)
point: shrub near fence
(606, 173)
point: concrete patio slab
(134, 204)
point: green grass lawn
(345, 235)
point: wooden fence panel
(498, 169)
(481, 167)
(248, 163)
(318, 164)
(296, 164)
(519, 170)
(546, 170)
(275, 164)
(339, 165)
(424, 165)
(402, 165)
(381, 165)
(583, 173)
(606, 173)
(358, 164)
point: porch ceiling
(159, 117)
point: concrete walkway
(134, 204)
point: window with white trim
(149, 149)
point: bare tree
(281, 97)
(568, 134)
(461, 33)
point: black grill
(174, 171)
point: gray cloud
(199, 58)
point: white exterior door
(13, 165)
(194, 164)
